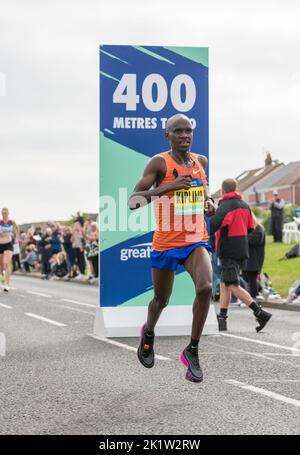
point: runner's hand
(181, 183)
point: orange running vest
(180, 214)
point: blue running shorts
(171, 259)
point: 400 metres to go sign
(126, 92)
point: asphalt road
(57, 379)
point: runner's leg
(7, 257)
(162, 283)
(198, 265)
(162, 280)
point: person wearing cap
(277, 206)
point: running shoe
(262, 318)
(191, 361)
(145, 350)
(6, 288)
(222, 321)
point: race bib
(191, 201)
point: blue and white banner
(140, 88)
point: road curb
(35, 275)
(281, 306)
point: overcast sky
(49, 116)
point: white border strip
(267, 393)
(50, 321)
(126, 346)
(266, 343)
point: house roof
(43, 224)
(250, 177)
(288, 174)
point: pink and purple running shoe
(191, 361)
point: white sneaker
(260, 298)
(297, 300)
(79, 277)
(275, 298)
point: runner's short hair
(229, 185)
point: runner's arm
(155, 171)
(210, 208)
(203, 161)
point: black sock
(254, 307)
(149, 333)
(193, 346)
(223, 312)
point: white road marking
(76, 309)
(6, 306)
(253, 354)
(50, 321)
(79, 303)
(277, 380)
(126, 346)
(2, 344)
(267, 393)
(266, 343)
(38, 293)
(281, 354)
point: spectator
(92, 248)
(31, 258)
(46, 250)
(87, 229)
(294, 294)
(70, 257)
(16, 254)
(59, 266)
(78, 247)
(254, 264)
(232, 223)
(80, 219)
(23, 244)
(277, 207)
(37, 237)
(59, 248)
(57, 238)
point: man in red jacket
(232, 223)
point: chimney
(268, 160)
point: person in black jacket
(253, 265)
(232, 223)
(277, 208)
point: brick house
(257, 185)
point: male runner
(232, 223)
(176, 181)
